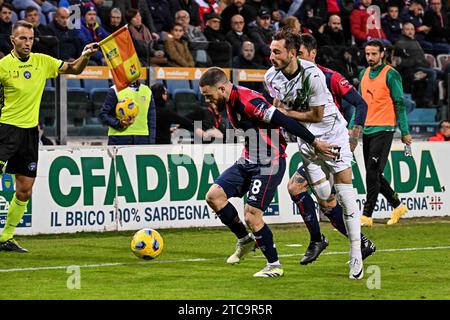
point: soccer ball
(126, 109)
(147, 244)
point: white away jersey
(308, 89)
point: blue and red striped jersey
(249, 110)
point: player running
(260, 169)
(22, 80)
(340, 89)
(299, 89)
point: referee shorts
(19, 149)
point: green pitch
(411, 262)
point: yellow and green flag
(121, 57)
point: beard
(372, 63)
(221, 104)
(281, 65)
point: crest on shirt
(344, 83)
(302, 97)
(27, 74)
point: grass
(406, 274)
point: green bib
(142, 99)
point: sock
(307, 209)
(15, 214)
(336, 218)
(229, 217)
(264, 239)
(347, 198)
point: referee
(22, 80)
(381, 87)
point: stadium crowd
(237, 34)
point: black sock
(229, 216)
(264, 239)
(337, 219)
(307, 209)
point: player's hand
(90, 49)
(407, 139)
(325, 148)
(215, 133)
(125, 123)
(277, 103)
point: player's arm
(77, 66)
(355, 99)
(297, 129)
(394, 82)
(317, 98)
(313, 115)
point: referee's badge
(27, 74)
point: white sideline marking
(100, 265)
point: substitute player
(302, 91)
(340, 89)
(260, 169)
(22, 80)
(381, 86)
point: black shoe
(368, 248)
(314, 250)
(12, 245)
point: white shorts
(319, 166)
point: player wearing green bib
(22, 80)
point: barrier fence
(127, 188)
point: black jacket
(438, 33)
(414, 54)
(70, 45)
(392, 28)
(219, 49)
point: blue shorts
(260, 181)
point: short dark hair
(131, 13)
(30, 9)
(7, 6)
(176, 24)
(442, 122)
(308, 41)
(158, 90)
(22, 23)
(292, 39)
(212, 77)
(375, 43)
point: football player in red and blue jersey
(260, 169)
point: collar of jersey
(296, 73)
(20, 59)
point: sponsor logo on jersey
(32, 166)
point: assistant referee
(22, 80)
